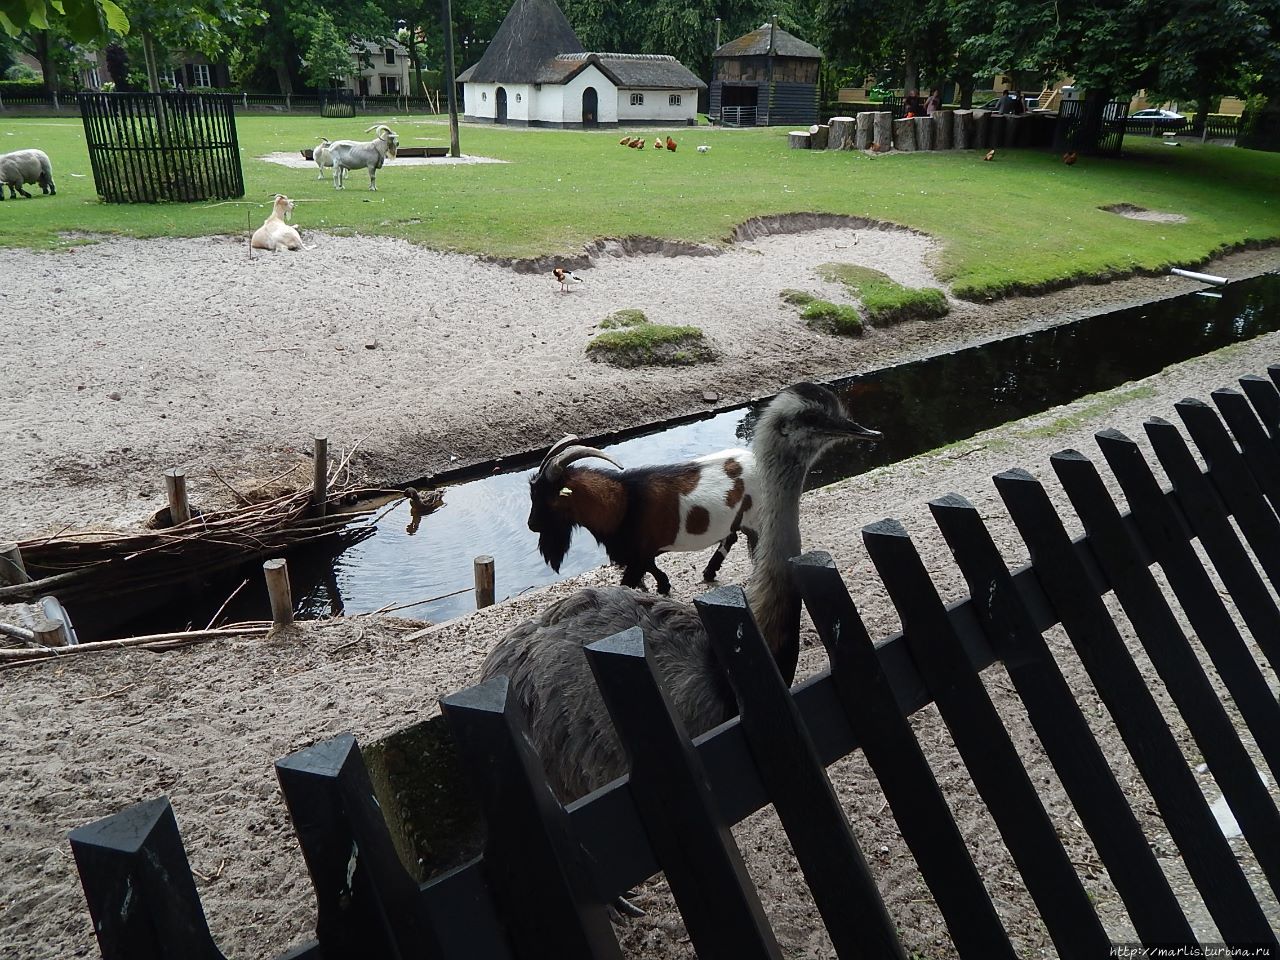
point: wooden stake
(320, 485)
(175, 483)
(277, 574)
(12, 570)
(50, 633)
(484, 581)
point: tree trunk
(48, 68)
(882, 129)
(798, 140)
(943, 129)
(863, 135)
(149, 54)
(910, 75)
(924, 132)
(965, 86)
(963, 130)
(841, 133)
(819, 134)
(904, 134)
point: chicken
(991, 155)
(625, 141)
(1069, 158)
(671, 145)
(565, 277)
(657, 143)
(639, 144)
(703, 148)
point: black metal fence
(541, 886)
(148, 147)
(337, 103)
(1091, 128)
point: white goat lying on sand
(363, 155)
(275, 232)
(322, 157)
(25, 166)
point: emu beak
(853, 430)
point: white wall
(657, 106)
(548, 104)
(606, 97)
(481, 100)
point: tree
(84, 21)
(205, 25)
(328, 54)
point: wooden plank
(543, 887)
(1055, 714)
(842, 886)
(1208, 519)
(879, 723)
(1196, 593)
(1235, 484)
(1264, 396)
(984, 744)
(1170, 651)
(692, 842)
(1261, 456)
(138, 884)
(1206, 853)
(367, 904)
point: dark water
(918, 406)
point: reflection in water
(918, 406)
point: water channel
(919, 406)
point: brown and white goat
(639, 513)
(275, 232)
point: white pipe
(1202, 277)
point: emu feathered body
(543, 659)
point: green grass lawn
(1019, 223)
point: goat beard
(553, 544)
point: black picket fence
(149, 147)
(546, 873)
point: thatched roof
(756, 44)
(646, 71)
(534, 32)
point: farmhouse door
(590, 107)
(502, 106)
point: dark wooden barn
(766, 77)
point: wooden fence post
(12, 570)
(1266, 400)
(833, 865)
(984, 744)
(485, 581)
(1056, 717)
(882, 729)
(1077, 599)
(693, 844)
(320, 479)
(366, 902)
(139, 887)
(50, 633)
(1260, 454)
(277, 574)
(533, 865)
(175, 485)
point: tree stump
(904, 134)
(944, 122)
(963, 132)
(818, 135)
(798, 140)
(882, 129)
(924, 132)
(840, 133)
(982, 130)
(863, 135)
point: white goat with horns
(363, 154)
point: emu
(543, 659)
(25, 166)
(640, 513)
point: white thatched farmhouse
(536, 73)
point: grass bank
(1024, 222)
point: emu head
(803, 421)
(551, 509)
(388, 136)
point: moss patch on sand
(630, 340)
(885, 301)
(837, 318)
(623, 318)
(797, 298)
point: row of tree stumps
(879, 132)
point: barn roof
(649, 71)
(756, 44)
(533, 33)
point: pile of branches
(86, 563)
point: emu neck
(773, 598)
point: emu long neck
(774, 600)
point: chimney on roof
(773, 29)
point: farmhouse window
(674, 100)
(390, 85)
(200, 75)
(637, 99)
(484, 96)
(391, 56)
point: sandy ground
(184, 353)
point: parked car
(1154, 119)
(1028, 104)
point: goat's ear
(566, 492)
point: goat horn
(556, 447)
(571, 454)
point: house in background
(766, 77)
(535, 72)
(387, 70)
